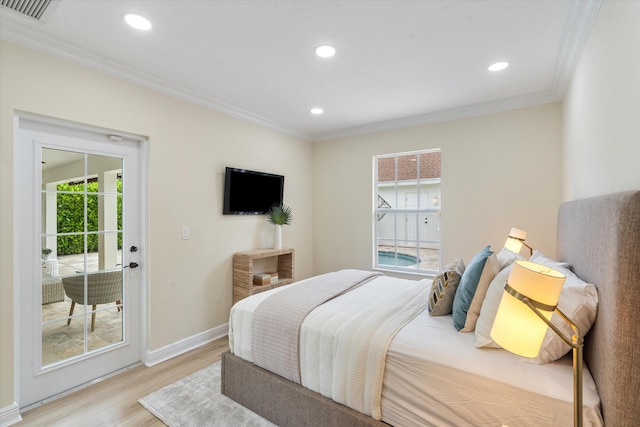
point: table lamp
(515, 241)
(529, 300)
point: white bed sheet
(435, 376)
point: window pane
(104, 212)
(430, 165)
(386, 169)
(67, 340)
(386, 196)
(407, 230)
(119, 210)
(107, 254)
(413, 197)
(429, 229)
(70, 214)
(108, 325)
(407, 167)
(401, 258)
(59, 166)
(92, 211)
(386, 232)
(103, 173)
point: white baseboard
(10, 415)
(153, 357)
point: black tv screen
(249, 192)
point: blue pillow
(467, 287)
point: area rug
(196, 401)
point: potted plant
(279, 214)
(45, 253)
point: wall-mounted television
(249, 192)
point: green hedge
(71, 217)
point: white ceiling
(398, 63)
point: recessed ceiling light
(325, 51)
(498, 66)
(138, 22)
(317, 111)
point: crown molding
(579, 23)
(458, 113)
(12, 30)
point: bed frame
(600, 238)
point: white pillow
(540, 258)
(489, 271)
(579, 301)
(490, 308)
(506, 257)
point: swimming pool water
(389, 258)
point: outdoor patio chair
(103, 288)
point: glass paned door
(77, 232)
(81, 247)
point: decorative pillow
(490, 308)
(467, 287)
(540, 258)
(443, 288)
(578, 300)
(506, 257)
(491, 268)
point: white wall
(190, 280)
(602, 107)
(498, 171)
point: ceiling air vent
(31, 8)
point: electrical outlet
(186, 233)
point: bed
(600, 239)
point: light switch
(186, 233)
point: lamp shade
(515, 239)
(513, 245)
(517, 233)
(516, 327)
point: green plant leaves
(70, 200)
(280, 214)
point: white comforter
(342, 352)
(343, 343)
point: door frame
(143, 255)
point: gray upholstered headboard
(600, 238)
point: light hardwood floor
(114, 401)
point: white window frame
(425, 211)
